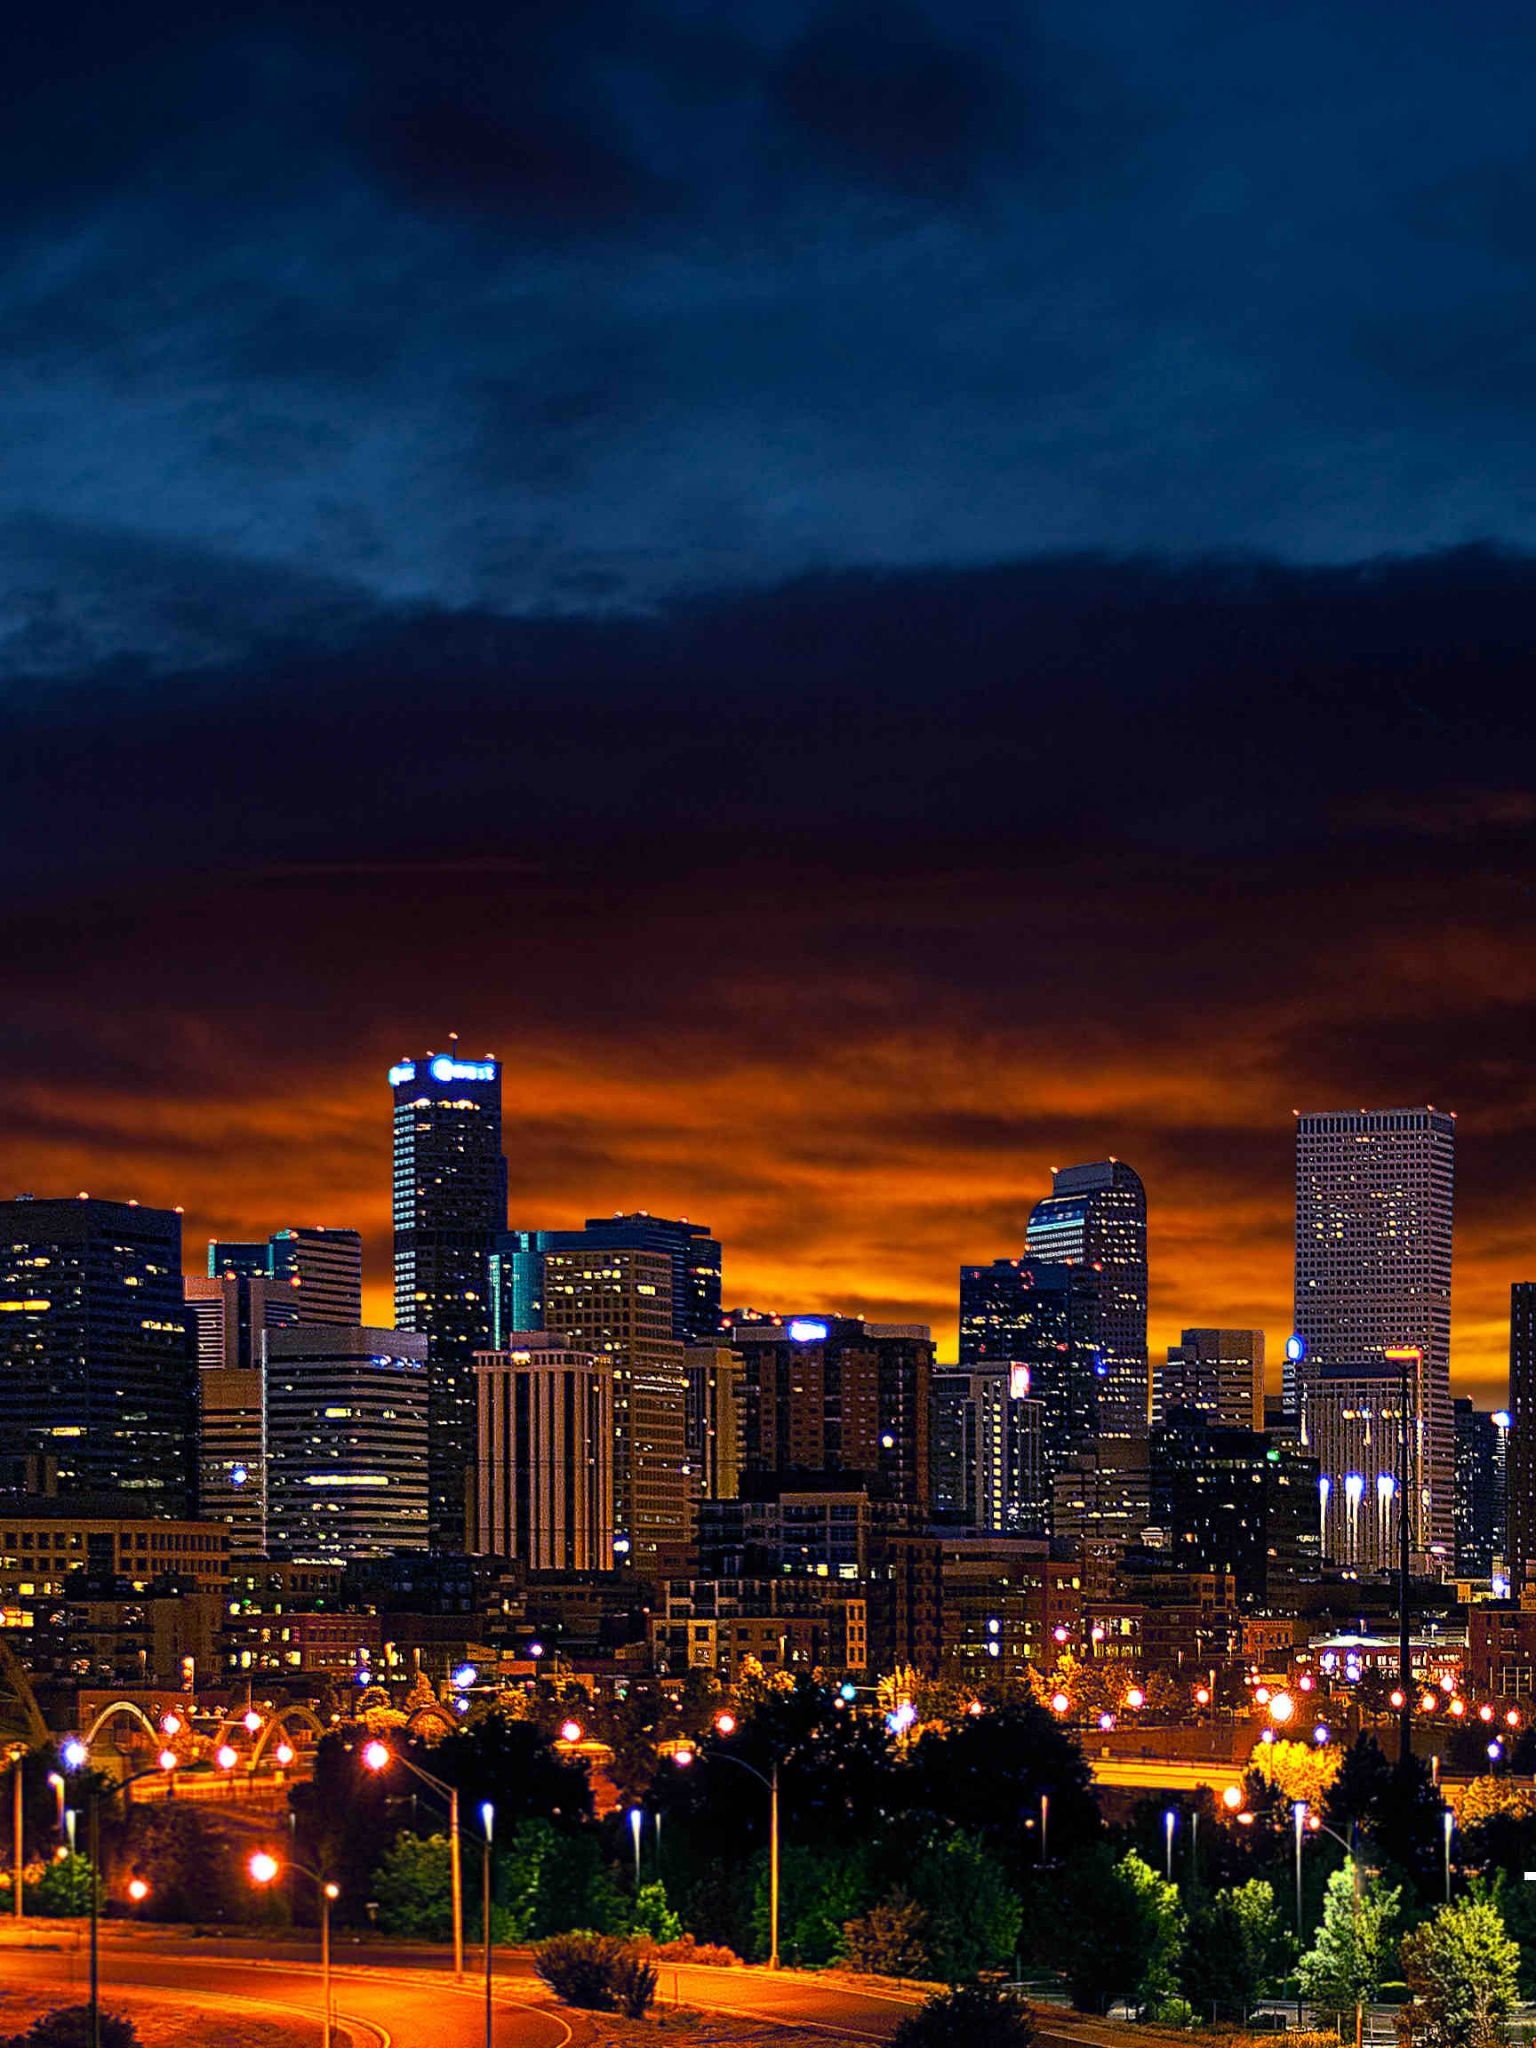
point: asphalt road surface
(404, 2000)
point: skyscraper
(829, 1394)
(1096, 1215)
(347, 1442)
(695, 1257)
(1374, 1200)
(232, 1315)
(545, 1464)
(1043, 1320)
(322, 1267)
(1352, 1424)
(450, 1210)
(1520, 1481)
(616, 1305)
(97, 1362)
(1480, 1474)
(1217, 1373)
(986, 1455)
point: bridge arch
(279, 1719)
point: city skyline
(807, 1278)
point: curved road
(403, 1999)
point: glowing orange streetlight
(1060, 1704)
(1135, 1697)
(264, 1869)
(726, 1723)
(1429, 1702)
(284, 1754)
(171, 1724)
(1232, 1798)
(168, 1760)
(138, 1890)
(1281, 1708)
(227, 1757)
(252, 1721)
(378, 1756)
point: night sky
(876, 597)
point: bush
(598, 1973)
(69, 2026)
(709, 1955)
(61, 1890)
(976, 2016)
(651, 1916)
(889, 1940)
(414, 1887)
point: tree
(976, 2016)
(61, 1890)
(414, 1887)
(890, 1940)
(1238, 1949)
(1464, 1970)
(69, 2026)
(972, 1914)
(1119, 1932)
(1343, 1970)
(1296, 1770)
(1396, 1809)
(988, 1776)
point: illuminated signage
(1018, 1383)
(406, 1071)
(445, 1069)
(1294, 1349)
(804, 1331)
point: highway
(403, 1999)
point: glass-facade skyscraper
(98, 1363)
(1520, 1468)
(323, 1267)
(695, 1256)
(450, 1211)
(1040, 1322)
(1096, 1215)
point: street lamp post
(1450, 1828)
(487, 1823)
(684, 1757)
(635, 1824)
(1318, 1827)
(264, 1868)
(18, 1758)
(76, 1756)
(1168, 1827)
(378, 1756)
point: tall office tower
(1097, 1215)
(232, 1315)
(518, 1266)
(1048, 1319)
(1238, 1501)
(1520, 1469)
(322, 1267)
(1374, 1195)
(1479, 1491)
(716, 1418)
(347, 1443)
(836, 1394)
(616, 1304)
(98, 1368)
(450, 1192)
(1217, 1373)
(1352, 1424)
(544, 1490)
(986, 1454)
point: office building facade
(1481, 1464)
(1096, 1215)
(838, 1395)
(1219, 1374)
(1520, 1479)
(233, 1314)
(1236, 1502)
(347, 1443)
(716, 1418)
(1352, 1421)
(695, 1258)
(322, 1269)
(544, 1493)
(616, 1305)
(1043, 1320)
(98, 1370)
(1374, 1212)
(986, 1451)
(450, 1212)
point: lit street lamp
(263, 1869)
(76, 1756)
(684, 1757)
(487, 1824)
(18, 1756)
(378, 1756)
